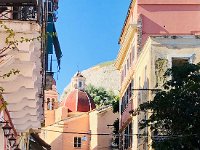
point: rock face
(102, 75)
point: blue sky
(88, 32)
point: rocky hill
(102, 75)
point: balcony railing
(23, 13)
(17, 2)
(23, 10)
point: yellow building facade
(147, 49)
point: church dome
(79, 101)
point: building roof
(79, 101)
(126, 21)
(78, 74)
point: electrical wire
(119, 135)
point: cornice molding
(125, 45)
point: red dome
(79, 101)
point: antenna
(78, 68)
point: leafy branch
(10, 41)
(11, 72)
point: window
(132, 87)
(48, 104)
(128, 136)
(126, 98)
(125, 71)
(53, 102)
(79, 84)
(133, 53)
(130, 60)
(122, 76)
(139, 98)
(145, 73)
(127, 63)
(178, 61)
(77, 141)
(50, 6)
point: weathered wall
(98, 125)
(146, 71)
(60, 135)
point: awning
(57, 48)
(34, 146)
(38, 144)
(52, 39)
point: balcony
(23, 10)
(17, 2)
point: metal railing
(22, 13)
(23, 10)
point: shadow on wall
(57, 144)
(104, 140)
(151, 27)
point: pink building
(161, 17)
(174, 23)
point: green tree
(116, 133)
(102, 97)
(175, 110)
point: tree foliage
(175, 110)
(116, 132)
(102, 97)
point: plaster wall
(60, 135)
(76, 127)
(61, 113)
(98, 125)
(169, 18)
(22, 89)
(53, 136)
(145, 71)
(142, 80)
(49, 117)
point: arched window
(48, 104)
(80, 84)
(53, 103)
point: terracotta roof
(79, 101)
